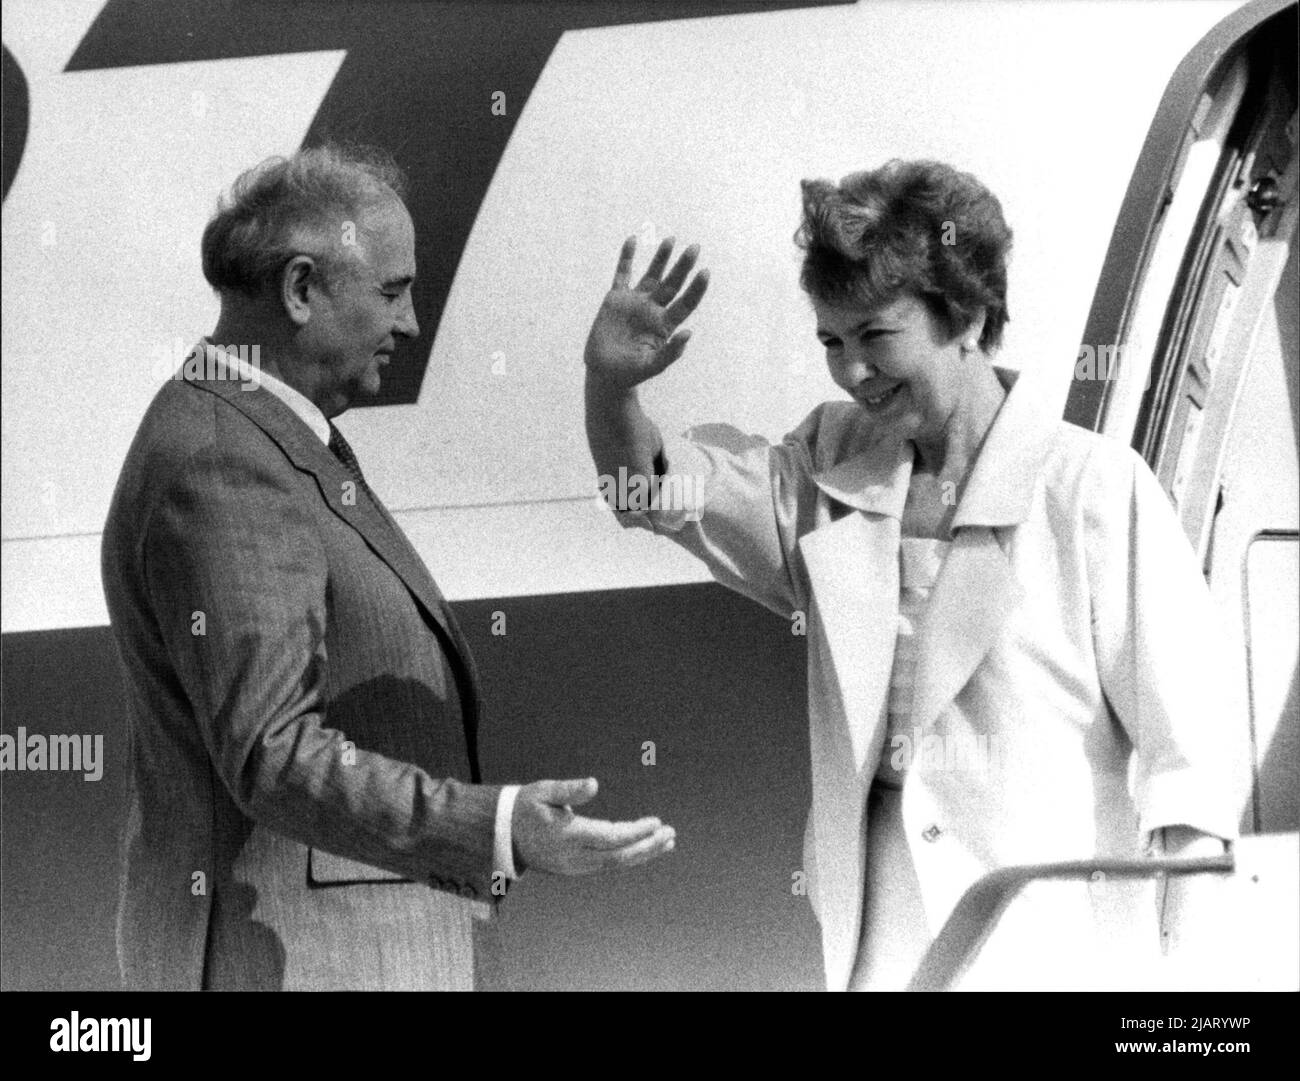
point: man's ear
(970, 337)
(297, 281)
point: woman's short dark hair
(291, 206)
(909, 226)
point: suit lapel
(971, 602)
(977, 590)
(417, 571)
(357, 507)
(853, 569)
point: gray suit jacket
(304, 807)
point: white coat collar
(1001, 486)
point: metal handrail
(981, 906)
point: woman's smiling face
(898, 360)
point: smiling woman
(970, 573)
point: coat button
(931, 833)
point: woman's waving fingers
(669, 286)
(623, 273)
(679, 309)
(653, 276)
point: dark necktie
(343, 452)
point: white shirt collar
(303, 407)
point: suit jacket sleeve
(237, 577)
(1164, 664)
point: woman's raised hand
(635, 333)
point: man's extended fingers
(649, 282)
(564, 793)
(657, 844)
(623, 274)
(596, 833)
(680, 308)
(677, 275)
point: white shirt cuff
(503, 857)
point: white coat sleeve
(1162, 654)
(732, 501)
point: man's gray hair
(299, 205)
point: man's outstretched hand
(548, 836)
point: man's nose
(407, 325)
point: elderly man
(306, 808)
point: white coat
(1070, 628)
